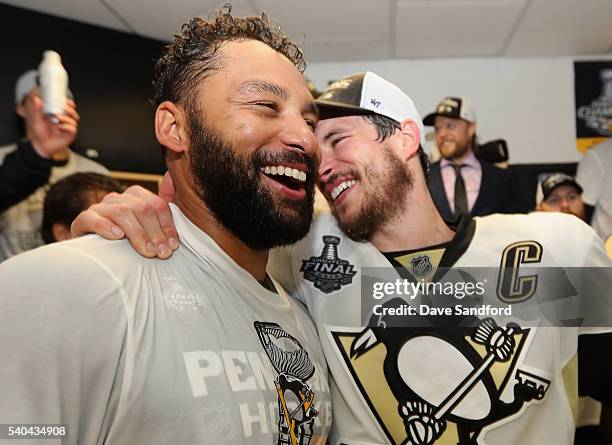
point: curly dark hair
(192, 55)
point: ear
(471, 129)
(20, 110)
(60, 232)
(411, 137)
(33, 97)
(170, 127)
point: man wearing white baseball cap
(41, 157)
(461, 183)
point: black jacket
(496, 193)
(21, 173)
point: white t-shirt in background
(595, 176)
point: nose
(324, 172)
(297, 134)
(565, 204)
(327, 164)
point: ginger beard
(384, 191)
(457, 142)
(454, 149)
(232, 188)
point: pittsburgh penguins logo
(327, 272)
(441, 384)
(295, 397)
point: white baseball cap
(365, 94)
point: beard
(384, 191)
(232, 188)
(460, 149)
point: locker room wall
(527, 101)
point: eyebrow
(261, 86)
(333, 133)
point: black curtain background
(110, 75)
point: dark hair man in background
(459, 182)
(70, 196)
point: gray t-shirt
(127, 350)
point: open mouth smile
(337, 189)
(289, 180)
(341, 188)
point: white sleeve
(591, 176)
(61, 343)
(594, 254)
(594, 283)
(280, 267)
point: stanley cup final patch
(327, 271)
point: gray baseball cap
(26, 83)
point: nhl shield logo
(327, 272)
(421, 266)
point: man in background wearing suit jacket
(459, 182)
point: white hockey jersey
(410, 386)
(127, 350)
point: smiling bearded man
(204, 348)
(235, 190)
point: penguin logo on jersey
(441, 384)
(328, 272)
(421, 266)
(296, 409)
